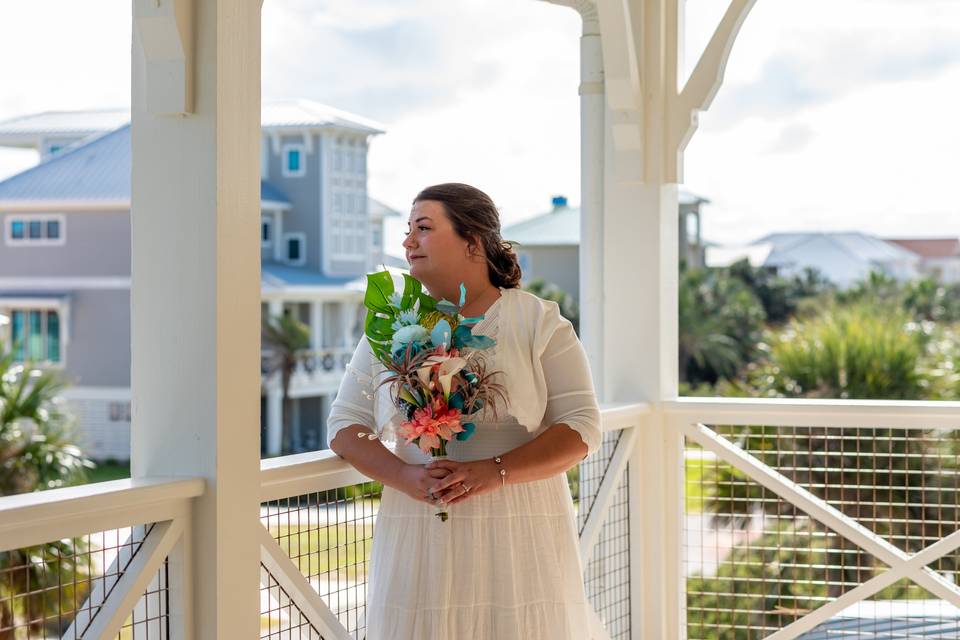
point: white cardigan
(546, 375)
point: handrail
(891, 414)
(315, 471)
(34, 518)
(304, 473)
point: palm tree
(284, 338)
(36, 452)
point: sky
(835, 114)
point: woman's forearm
(554, 451)
(369, 457)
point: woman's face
(434, 250)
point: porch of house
(698, 518)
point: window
(119, 412)
(35, 335)
(294, 160)
(376, 237)
(35, 229)
(296, 247)
(266, 232)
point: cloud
(793, 138)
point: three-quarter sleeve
(354, 401)
(570, 394)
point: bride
(506, 564)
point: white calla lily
(449, 368)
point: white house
(842, 257)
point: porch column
(349, 319)
(195, 293)
(316, 325)
(274, 420)
(649, 121)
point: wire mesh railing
(755, 563)
(328, 536)
(56, 589)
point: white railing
(839, 476)
(303, 506)
(118, 546)
(317, 527)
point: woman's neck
(480, 295)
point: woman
(505, 564)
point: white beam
(788, 412)
(195, 302)
(165, 31)
(905, 569)
(707, 76)
(131, 585)
(612, 478)
(288, 576)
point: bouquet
(437, 376)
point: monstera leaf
(411, 291)
(379, 288)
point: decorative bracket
(707, 76)
(165, 29)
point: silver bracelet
(503, 472)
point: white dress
(504, 566)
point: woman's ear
(475, 248)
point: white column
(196, 240)
(316, 325)
(274, 420)
(592, 115)
(275, 307)
(278, 249)
(349, 319)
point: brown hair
(475, 217)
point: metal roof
(97, 171)
(278, 277)
(561, 226)
(29, 129)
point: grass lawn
(694, 490)
(108, 470)
(342, 547)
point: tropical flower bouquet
(438, 378)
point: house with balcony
(65, 258)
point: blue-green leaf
(441, 334)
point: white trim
(16, 206)
(299, 235)
(59, 283)
(285, 170)
(27, 218)
(31, 518)
(112, 394)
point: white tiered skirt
(504, 566)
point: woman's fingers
(457, 476)
(438, 473)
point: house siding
(97, 244)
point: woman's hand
(415, 480)
(465, 479)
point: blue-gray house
(65, 257)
